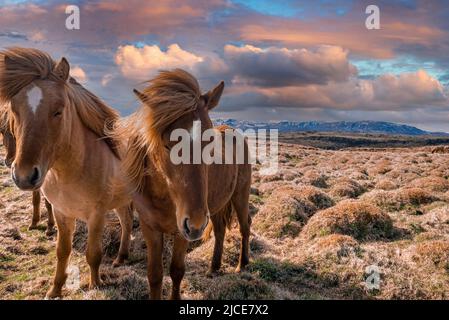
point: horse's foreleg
(51, 218)
(66, 227)
(219, 234)
(94, 252)
(36, 210)
(177, 266)
(125, 215)
(240, 201)
(155, 242)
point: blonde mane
(168, 97)
(19, 67)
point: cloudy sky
(296, 60)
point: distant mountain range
(374, 127)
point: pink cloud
(143, 63)
(79, 74)
(403, 92)
(354, 37)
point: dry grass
(435, 252)
(317, 225)
(380, 168)
(386, 184)
(288, 208)
(283, 214)
(398, 200)
(414, 196)
(431, 183)
(345, 187)
(358, 219)
(334, 246)
(315, 179)
(320, 199)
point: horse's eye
(57, 114)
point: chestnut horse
(10, 144)
(61, 148)
(180, 198)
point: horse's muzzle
(191, 233)
(29, 181)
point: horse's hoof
(119, 261)
(53, 294)
(33, 227)
(240, 269)
(50, 232)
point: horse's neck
(74, 148)
(155, 183)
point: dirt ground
(330, 224)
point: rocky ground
(331, 224)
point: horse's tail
(225, 217)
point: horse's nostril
(35, 177)
(186, 225)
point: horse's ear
(62, 69)
(140, 95)
(7, 61)
(213, 96)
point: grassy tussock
(397, 200)
(386, 184)
(431, 183)
(435, 252)
(283, 214)
(288, 208)
(360, 220)
(346, 188)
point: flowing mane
(94, 113)
(168, 97)
(19, 67)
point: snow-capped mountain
(375, 127)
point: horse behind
(62, 149)
(10, 144)
(181, 198)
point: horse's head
(187, 183)
(38, 111)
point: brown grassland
(328, 214)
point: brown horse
(181, 197)
(8, 138)
(10, 144)
(61, 148)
